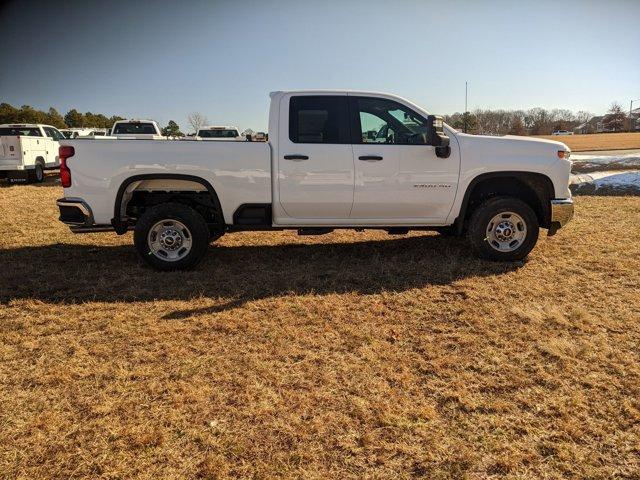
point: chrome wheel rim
(506, 232)
(169, 240)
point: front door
(398, 177)
(315, 158)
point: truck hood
(513, 143)
(481, 154)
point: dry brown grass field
(598, 141)
(351, 355)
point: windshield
(25, 131)
(221, 133)
(134, 128)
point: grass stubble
(350, 355)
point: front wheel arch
(535, 189)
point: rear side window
(25, 131)
(134, 128)
(320, 119)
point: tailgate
(10, 151)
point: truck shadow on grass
(234, 275)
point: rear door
(398, 177)
(315, 158)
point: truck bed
(240, 172)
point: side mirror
(437, 137)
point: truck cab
(27, 150)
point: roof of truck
(134, 120)
(218, 127)
(27, 125)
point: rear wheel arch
(123, 197)
(535, 189)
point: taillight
(65, 173)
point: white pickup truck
(136, 129)
(335, 159)
(27, 149)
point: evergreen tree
(172, 130)
(74, 119)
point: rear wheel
(171, 236)
(37, 174)
(503, 229)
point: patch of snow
(616, 179)
(610, 181)
(628, 159)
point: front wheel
(503, 229)
(171, 236)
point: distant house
(635, 119)
(591, 126)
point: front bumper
(561, 213)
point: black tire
(196, 232)
(478, 224)
(37, 174)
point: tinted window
(134, 128)
(25, 131)
(386, 121)
(321, 119)
(219, 133)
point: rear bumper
(75, 212)
(561, 213)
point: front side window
(388, 122)
(55, 134)
(318, 119)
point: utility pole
(631, 111)
(464, 115)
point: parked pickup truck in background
(219, 133)
(26, 150)
(138, 129)
(325, 166)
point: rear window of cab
(134, 128)
(23, 131)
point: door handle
(370, 158)
(296, 157)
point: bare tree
(197, 120)
(615, 119)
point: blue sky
(162, 60)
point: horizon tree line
(535, 121)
